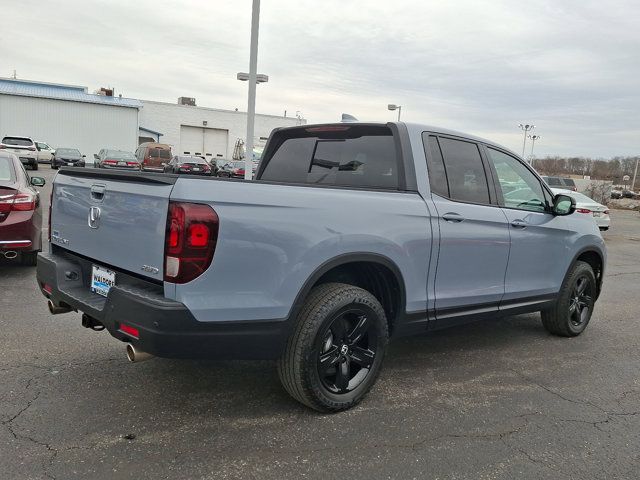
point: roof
(72, 93)
(148, 130)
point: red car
(20, 211)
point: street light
(526, 128)
(253, 78)
(533, 143)
(392, 107)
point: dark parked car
(153, 157)
(120, 159)
(232, 169)
(67, 156)
(190, 164)
(561, 182)
(20, 211)
(628, 194)
(24, 148)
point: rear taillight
(191, 237)
(20, 202)
(132, 164)
(583, 210)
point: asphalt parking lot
(501, 399)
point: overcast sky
(570, 67)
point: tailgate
(115, 219)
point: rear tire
(334, 355)
(574, 306)
(29, 259)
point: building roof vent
(187, 101)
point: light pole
(533, 144)
(392, 107)
(526, 128)
(253, 80)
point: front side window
(465, 173)
(520, 188)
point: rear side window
(554, 181)
(6, 170)
(437, 173)
(464, 171)
(356, 156)
(17, 141)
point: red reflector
(129, 330)
(583, 210)
(18, 244)
(47, 288)
(198, 235)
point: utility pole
(253, 73)
(533, 144)
(526, 128)
(635, 173)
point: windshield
(120, 155)
(186, 159)
(72, 152)
(17, 141)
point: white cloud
(571, 67)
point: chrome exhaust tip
(57, 310)
(11, 254)
(135, 355)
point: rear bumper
(20, 231)
(166, 327)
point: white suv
(45, 152)
(22, 147)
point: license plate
(597, 214)
(70, 164)
(102, 279)
(122, 163)
(196, 169)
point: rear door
(474, 235)
(539, 251)
(119, 223)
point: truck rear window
(355, 156)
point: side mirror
(84, 156)
(563, 205)
(38, 181)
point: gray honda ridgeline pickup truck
(351, 234)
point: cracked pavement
(494, 400)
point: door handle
(519, 224)
(453, 217)
(97, 192)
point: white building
(67, 116)
(70, 116)
(209, 132)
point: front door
(539, 252)
(474, 234)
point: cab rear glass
(362, 156)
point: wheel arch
(374, 272)
(595, 259)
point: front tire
(572, 311)
(335, 352)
